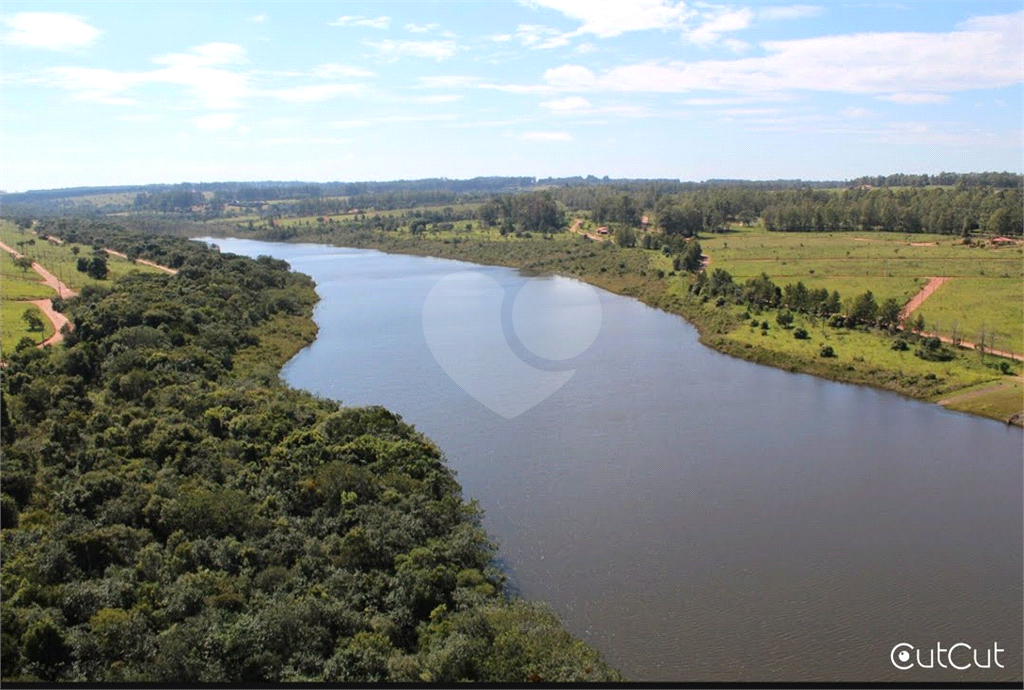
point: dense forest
(172, 512)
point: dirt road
(56, 318)
(576, 228)
(925, 292)
(165, 269)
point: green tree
(889, 313)
(33, 320)
(625, 237)
(864, 309)
(692, 257)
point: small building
(644, 222)
(603, 230)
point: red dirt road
(926, 292)
(56, 318)
(165, 269)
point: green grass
(13, 328)
(869, 354)
(61, 260)
(1000, 401)
(987, 286)
(995, 304)
(18, 284)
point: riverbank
(864, 358)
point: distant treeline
(209, 199)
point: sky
(117, 93)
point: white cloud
(982, 54)
(436, 50)
(448, 81)
(442, 98)
(608, 18)
(570, 78)
(332, 70)
(736, 45)
(538, 36)
(714, 26)
(381, 22)
(258, 18)
(421, 28)
(546, 136)
(584, 48)
(788, 12)
(216, 121)
(502, 38)
(313, 93)
(202, 70)
(50, 30)
(96, 85)
(857, 112)
(915, 98)
(568, 105)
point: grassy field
(993, 304)
(61, 259)
(18, 284)
(13, 328)
(987, 285)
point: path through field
(44, 305)
(918, 299)
(165, 269)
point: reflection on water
(694, 516)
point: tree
(784, 319)
(97, 268)
(24, 263)
(692, 257)
(34, 321)
(918, 323)
(889, 313)
(625, 237)
(864, 309)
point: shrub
(827, 351)
(800, 334)
(900, 345)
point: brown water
(694, 516)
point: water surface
(694, 516)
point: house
(603, 230)
(644, 222)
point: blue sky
(133, 93)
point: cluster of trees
(935, 210)
(178, 199)
(171, 512)
(530, 212)
(95, 268)
(760, 292)
(620, 208)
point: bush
(900, 345)
(800, 334)
(827, 351)
(784, 319)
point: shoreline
(707, 322)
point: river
(695, 517)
